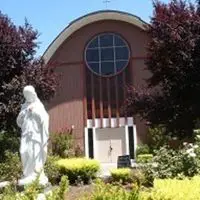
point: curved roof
(88, 19)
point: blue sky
(50, 17)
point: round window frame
(104, 33)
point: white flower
(184, 143)
(190, 145)
(190, 150)
(195, 146)
(192, 155)
(198, 136)
(155, 165)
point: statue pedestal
(42, 180)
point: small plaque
(123, 161)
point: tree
(172, 95)
(19, 67)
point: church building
(97, 56)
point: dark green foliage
(8, 141)
(62, 144)
(51, 170)
(158, 137)
(142, 149)
(11, 168)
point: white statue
(34, 123)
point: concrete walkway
(105, 169)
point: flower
(190, 145)
(195, 146)
(191, 150)
(192, 155)
(198, 136)
(155, 165)
(184, 143)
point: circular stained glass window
(107, 54)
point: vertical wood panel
(109, 99)
(101, 101)
(93, 99)
(117, 99)
(85, 116)
(124, 87)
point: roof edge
(88, 19)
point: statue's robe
(34, 123)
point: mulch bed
(76, 192)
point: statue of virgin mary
(33, 120)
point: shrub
(58, 193)
(79, 169)
(11, 168)
(52, 170)
(104, 191)
(159, 137)
(142, 149)
(121, 175)
(8, 142)
(144, 158)
(34, 190)
(170, 163)
(127, 175)
(173, 189)
(62, 143)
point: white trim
(135, 139)
(95, 150)
(89, 19)
(127, 140)
(130, 121)
(106, 123)
(89, 123)
(86, 143)
(113, 123)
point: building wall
(67, 108)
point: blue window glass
(106, 40)
(93, 43)
(107, 54)
(92, 55)
(122, 53)
(107, 68)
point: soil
(76, 192)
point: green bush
(104, 191)
(121, 175)
(159, 137)
(170, 163)
(173, 189)
(79, 169)
(8, 142)
(11, 168)
(127, 175)
(52, 170)
(33, 190)
(144, 158)
(142, 149)
(62, 144)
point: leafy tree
(19, 67)
(172, 95)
